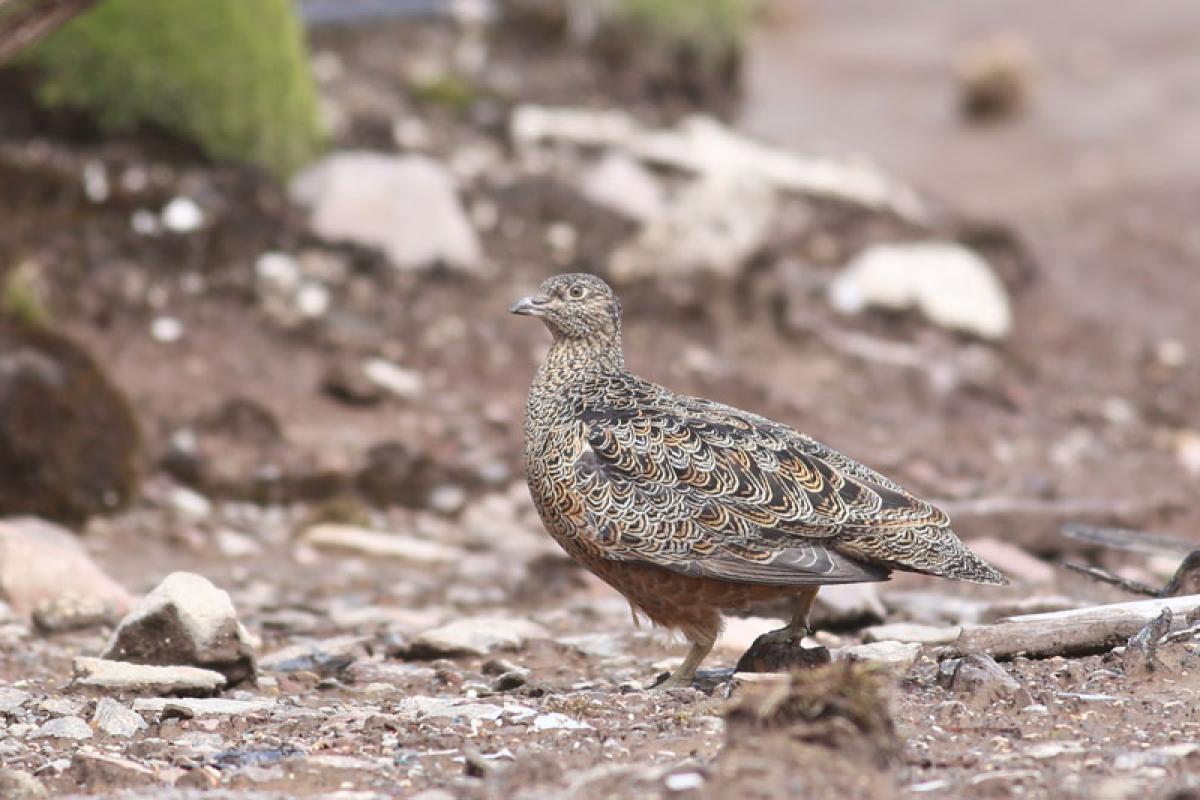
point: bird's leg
(780, 649)
(682, 677)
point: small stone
(73, 614)
(99, 771)
(182, 215)
(203, 706)
(232, 544)
(188, 503)
(557, 721)
(1140, 656)
(406, 206)
(900, 655)
(951, 285)
(166, 330)
(124, 676)
(42, 565)
(363, 541)
(447, 708)
(186, 621)
(448, 498)
(1187, 451)
(623, 185)
(912, 632)
(62, 706)
(12, 699)
(115, 719)
(404, 383)
(979, 676)
(65, 728)
(18, 785)
(995, 76)
(476, 637)
(684, 781)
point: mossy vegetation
(23, 296)
(708, 25)
(231, 76)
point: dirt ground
(1088, 196)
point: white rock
(367, 542)
(122, 675)
(18, 785)
(847, 604)
(12, 699)
(204, 706)
(477, 636)
(684, 781)
(182, 215)
(115, 719)
(1187, 451)
(531, 125)
(41, 563)
(278, 270)
(186, 621)
(166, 330)
(893, 654)
(912, 632)
(407, 384)
(236, 545)
(65, 728)
(556, 721)
(405, 206)
(714, 226)
(189, 502)
(447, 708)
(623, 185)
(948, 283)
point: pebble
(65, 728)
(166, 330)
(122, 675)
(12, 699)
(476, 637)
(557, 721)
(364, 541)
(100, 771)
(182, 215)
(203, 706)
(900, 655)
(407, 384)
(18, 785)
(912, 632)
(115, 719)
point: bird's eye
(577, 292)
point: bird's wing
(706, 489)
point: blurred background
(255, 259)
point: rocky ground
(328, 395)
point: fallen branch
(24, 23)
(1129, 540)
(1077, 632)
(1104, 576)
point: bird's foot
(781, 651)
(704, 680)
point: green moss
(451, 91)
(230, 75)
(716, 24)
(22, 296)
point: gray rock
(69, 441)
(102, 673)
(115, 719)
(367, 542)
(419, 708)
(186, 621)
(712, 228)
(72, 613)
(62, 706)
(898, 655)
(405, 206)
(18, 785)
(65, 728)
(476, 637)
(912, 632)
(623, 185)
(203, 706)
(12, 699)
(951, 285)
(978, 676)
(100, 772)
(43, 565)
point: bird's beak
(532, 306)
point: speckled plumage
(687, 506)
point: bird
(691, 508)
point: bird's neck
(575, 358)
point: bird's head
(576, 306)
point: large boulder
(186, 621)
(69, 442)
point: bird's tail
(931, 550)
